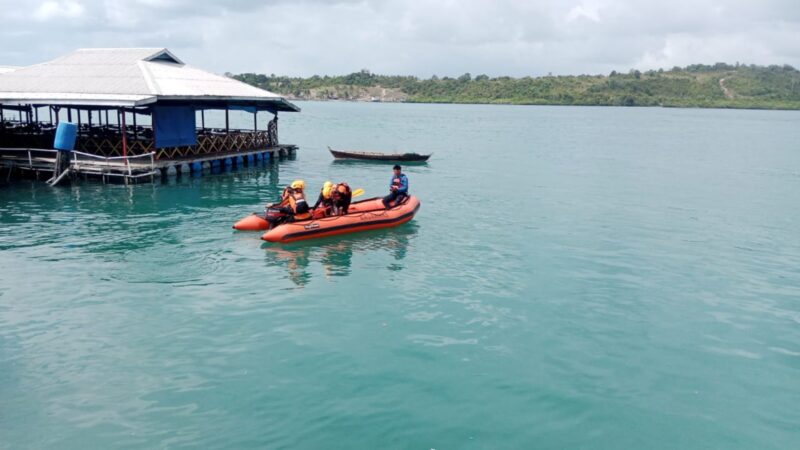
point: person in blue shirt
(398, 188)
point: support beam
(227, 126)
(124, 139)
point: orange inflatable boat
(364, 215)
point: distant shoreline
(721, 86)
(545, 104)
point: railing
(209, 144)
(110, 160)
(45, 158)
(29, 152)
(110, 145)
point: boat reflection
(335, 254)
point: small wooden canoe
(375, 156)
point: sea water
(618, 278)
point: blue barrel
(258, 156)
(197, 167)
(228, 162)
(250, 159)
(215, 164)
(267, 156)
(66, 134)
(239, 161)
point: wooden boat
(375, 156)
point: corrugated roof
(6, 69)
(125, 77)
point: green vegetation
(718, 86)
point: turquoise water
(576, 278)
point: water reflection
(335, 254)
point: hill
(718, 86)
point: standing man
(272, 132)
(398, 188)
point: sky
(413, 37)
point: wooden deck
(41, 163)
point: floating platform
(43, 163)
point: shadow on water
(335, 254)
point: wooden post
(69, 114)
(203, 119)
(50, 110)
(227, 127)
(255, 120)
(153, 125)
(135, 130)
(124, 139)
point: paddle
(358, 193)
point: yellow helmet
(299, 184)
(326, 189)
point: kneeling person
(297, 201)
(341, 197)
(398, 188)
(324, 198)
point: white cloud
(584, 11)
(499, 37)
(49, 10)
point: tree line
(698, 85)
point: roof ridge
(84, 49)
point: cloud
(50, 10)
(583, 11)
(500, 37)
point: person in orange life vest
(293, 202)
(297, 201)
(273, 211)
(324, 198)
(341, 195)
(398, 188)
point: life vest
(297, 201)
(326, 190)
(285, 196)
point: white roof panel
(129, 76)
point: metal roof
(127, 77)
(6, 69)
